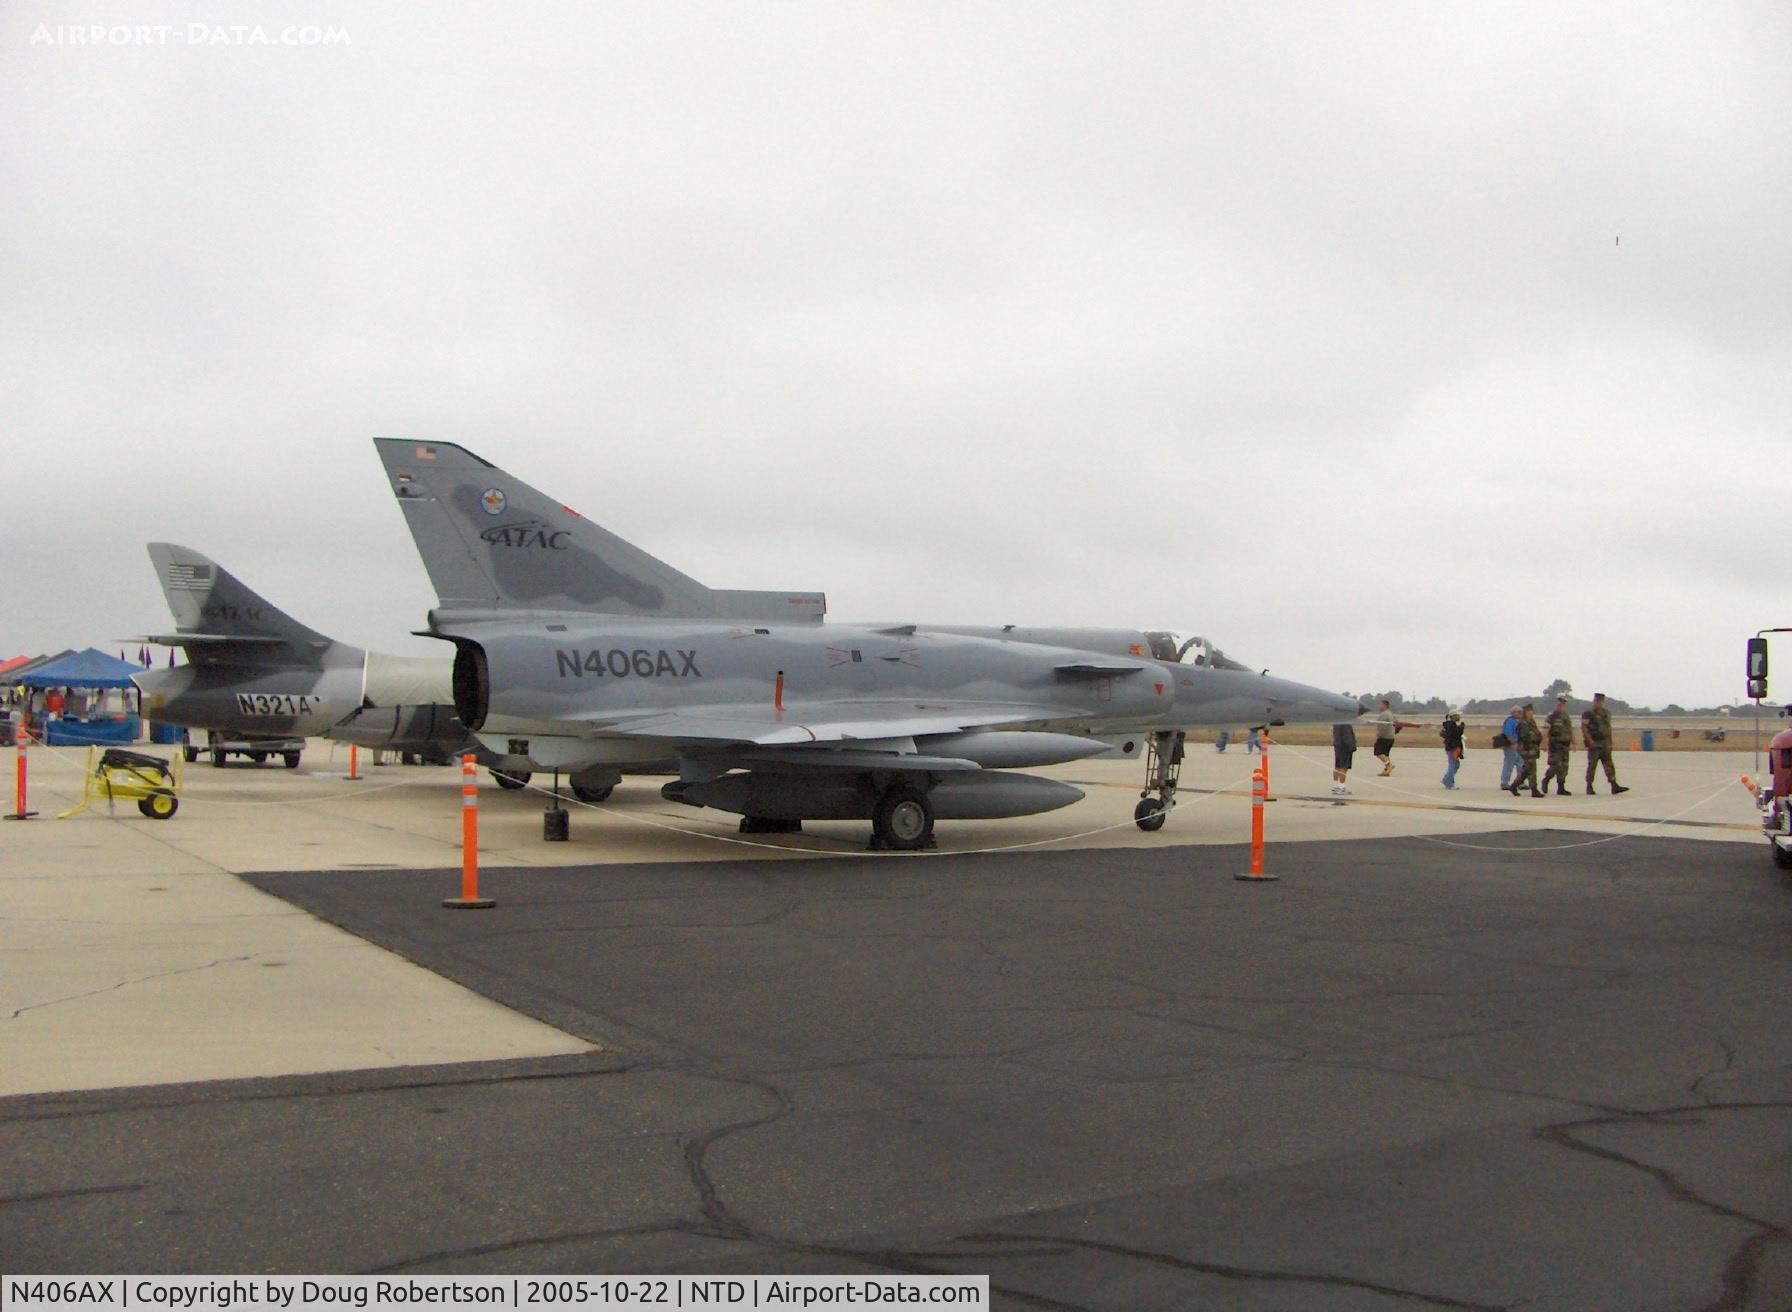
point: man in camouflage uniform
(1530, 741)
(1561, 747)
(1596, 734)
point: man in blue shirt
(1509, 750)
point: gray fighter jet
(260, 680)
(581, 652)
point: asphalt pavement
(1536, 1067)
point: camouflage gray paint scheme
(255, 672)
(577, 649)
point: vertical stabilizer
(492, 542)
(221, 619)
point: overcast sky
(1445, 348)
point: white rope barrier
(1380, 782)
(613, 813)
(1639, 829)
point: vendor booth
(83, 698)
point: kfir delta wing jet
(582, 652)
(256, 675)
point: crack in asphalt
(526, 1242)
(1447, 1082)
(1225, 1271)
(1728, 1065)
(1743, 1266)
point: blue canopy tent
(87, 669)
(84, 669)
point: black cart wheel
(1150, 814)
(291, 759)
(159, 805)
(190, 752)
(903, 820)
(217, 757)
(511, 779)
(258, 757)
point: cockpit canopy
(1167, 646)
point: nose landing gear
(1163, 767)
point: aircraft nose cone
(1362, 708)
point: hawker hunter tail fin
(221, 620)
(492, 542)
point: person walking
(1596, 736)
(1386, 726)
(1452, 734)
(1343, 753)
(1561, 746)
(1507, 741)
(1530, 742)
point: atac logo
(529, 534)
(493, 500)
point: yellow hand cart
(114, 773)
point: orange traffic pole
(469, 899)
(20, 812)
(1264, 765)
(1259, 795)
(354, 762)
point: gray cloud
(1437, 347)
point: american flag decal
(425, 453)
(189, 578)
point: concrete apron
(134, 956)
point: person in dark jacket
(1452, 734)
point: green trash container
(1648, 740)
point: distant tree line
(1438, 706)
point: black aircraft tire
(903, 820)
(1150, 814)
(511, 779)
(586, 793)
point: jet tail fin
(222, 621)
(492, 542)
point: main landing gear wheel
(593, 785)
(511, 779)
(903, 821)
(1150, 814)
